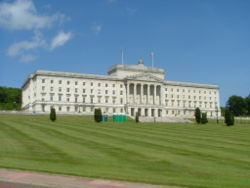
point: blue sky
(202, 41)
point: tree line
(10, 98)
(238, 106)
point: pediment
(144, 77)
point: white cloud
(111, 1)
(20, 47)
(60, 39)
(27, 58)
(96, 28)
(22, 14)
(130, 11)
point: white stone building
(126, 89)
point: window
(51, 81)
(121, 93)
(121, 100)
(60, 108)
(51, 98)
(121, 86)
(60, 82)
(106, 99)
(68, 89)
(67, 99)
(113, 92)
(60, 97)
(99, 84)
(76, 83)
(83, 99)
(91, 91)
(43, 88)
(68, 108)
(59, 89)
(106, 85)
(99, 99)
(76, 108)
(76, 90)
(43, 80)
(51, 88)
(106, 91)
(43, 99)
(113, 85)
(83, 83)
(91, 83)
(92, 100)
(83, 90)
(75, 99)
(68, 82)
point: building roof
(139, 77)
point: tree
(98, 115)
(137, 117)
(229, 118)
(52, 114)
(204, 118)
(237, 105)
(247, 99)
(198, 115)
(10, 98)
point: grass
(172, 154)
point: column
(141, 93)
(155, 88)
(134, 92)
(148, 93)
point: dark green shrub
(137, 117)
(198, 115)
(98, 115)
(52, 114)
(229, 118)
(204, 118)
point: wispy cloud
(19, 48)
(96, 28)
(111, 1)
(131, 11)
(22, 14)
(27, 58)
(60, 39)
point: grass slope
(175, 154)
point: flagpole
(122, 51)
(152, 58)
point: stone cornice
(136, 68)
(190, 84)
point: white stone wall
(74, 93)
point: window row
(189, 97)
(79, 109)
(191, 104)
(91, 99)
(189, 91)
(83, 83)
(76, 90)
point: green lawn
(174, 154)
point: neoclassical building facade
(125, 89)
